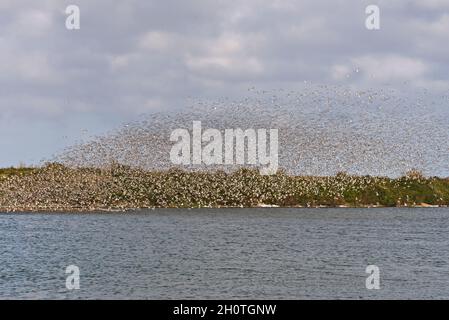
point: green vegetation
(55, 187)
(6, 172)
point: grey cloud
(138, 56)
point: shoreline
(262, 206)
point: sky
(133, 57)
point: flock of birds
(59, 188)
(323, 130)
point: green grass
(6, 172)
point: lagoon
(248, 253)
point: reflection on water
(227, 253)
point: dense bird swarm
(55, 187)
(322, 130)
(375, 135)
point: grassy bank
(58, 188)
(6, 172)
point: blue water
(227, 254)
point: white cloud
(121, 61)
(158, 41)
(432, 4)
(230, 55)
(388, 68)
(436, 28)
(340, 72)
(26, 66)
(32, 23)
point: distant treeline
(55, 187)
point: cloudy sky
(139, 56)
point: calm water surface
(227, 254)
